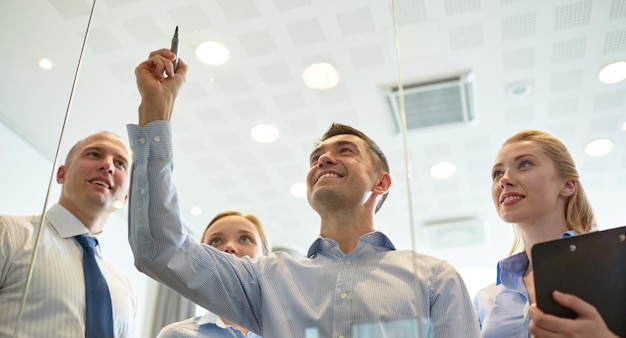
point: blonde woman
(536, 187)
(235, 233)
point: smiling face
(234, 234)
(342, 173)
(526, 187)
(96, 175)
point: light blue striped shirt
(373, 291)
(501, 307)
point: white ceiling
(556, 46)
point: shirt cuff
(154, 140)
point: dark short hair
(380, 160)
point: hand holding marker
(174, 48)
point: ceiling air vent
(435, 103)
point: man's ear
(61, 174)
(569, 188)
(383, 184)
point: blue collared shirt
(373, 291)
(501, 307)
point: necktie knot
(86, 241)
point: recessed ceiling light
(298, 190)
(442, 170)
(264, 133)
(613, 72)
(599, 147)
(320, 76)
(212, 53)
(519, 90)
(196, 211)
(45, 64)
(624, 126)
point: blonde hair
(578, 212)
(265, 245)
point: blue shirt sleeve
(161, 246)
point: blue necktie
(99, 312)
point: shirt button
(157, 139)
(142, 191)
(142, 140)
(343, 295)
(341, 337)
(348, 262)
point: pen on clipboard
(175, 48)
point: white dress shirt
(55, 304)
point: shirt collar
(64, 222)
(208, 318)
(517, 264)
(374, 239)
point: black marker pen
(175, 48)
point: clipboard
(591, 266)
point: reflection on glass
(218, 166)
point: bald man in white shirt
(95, 180)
